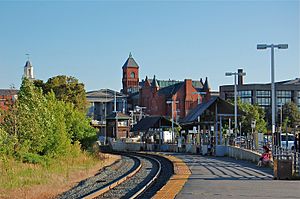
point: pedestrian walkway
(222, 177)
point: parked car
(241, 140)
(287, 141)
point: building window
(282, 100)
(132, 75)
(263, 101)
(263, 93)
(283, 97)
(284, 94)
(246, 100)
(243, 94)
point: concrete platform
(222, 177)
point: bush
(33, 158)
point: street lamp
(172, 107)
(235, 74)
(272, 46)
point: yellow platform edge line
(177, 181)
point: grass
(15, 175)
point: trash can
(283, 167)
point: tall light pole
(172, 107)
(199, 93)
(235, 74)
(272, 46)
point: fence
(280, 153)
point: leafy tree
(39, 126)
(290, 115)
(78, 126)
(7, 143)
(252, 112)
(67, 89)
(31, 129)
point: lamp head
(282, 46)
(261, 46)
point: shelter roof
(223, 107)
(152, 122)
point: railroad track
(131, 177)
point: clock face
(132, 75)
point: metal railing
(280, 153)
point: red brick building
(156, 95)
(158, 99)
(7, 97)
(130, 78)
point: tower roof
(206, 86)
(130, 62)
(28, 64)
(154, 82)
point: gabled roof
(8, 92)
(130, 62)
(206, 86)
(170, 90)
(224, 107)
(152, 122)
(154, 83)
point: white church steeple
(28, 70)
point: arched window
(132, 75)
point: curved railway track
(131, 177)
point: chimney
(188, 85)
(240, 77)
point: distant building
(7, 98)
(157, 99)
(118, 125)
(28, 70)
(102, 103)
(286, 91)
(155, 95)
(130, 78)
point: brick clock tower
(130, 77)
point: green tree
(39, 125)
(252, 112)
(30, 120)
(290, 115)
(78, 126)
(67, 89)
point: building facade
(181, 96)
(260, 94)
(102, 103)
(161, 97)
(130, 79)
(7, 98)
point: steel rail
(138, 193)
(114, 184)
(124, 178)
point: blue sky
(170, 39)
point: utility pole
(199, 93)
(172, 107)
